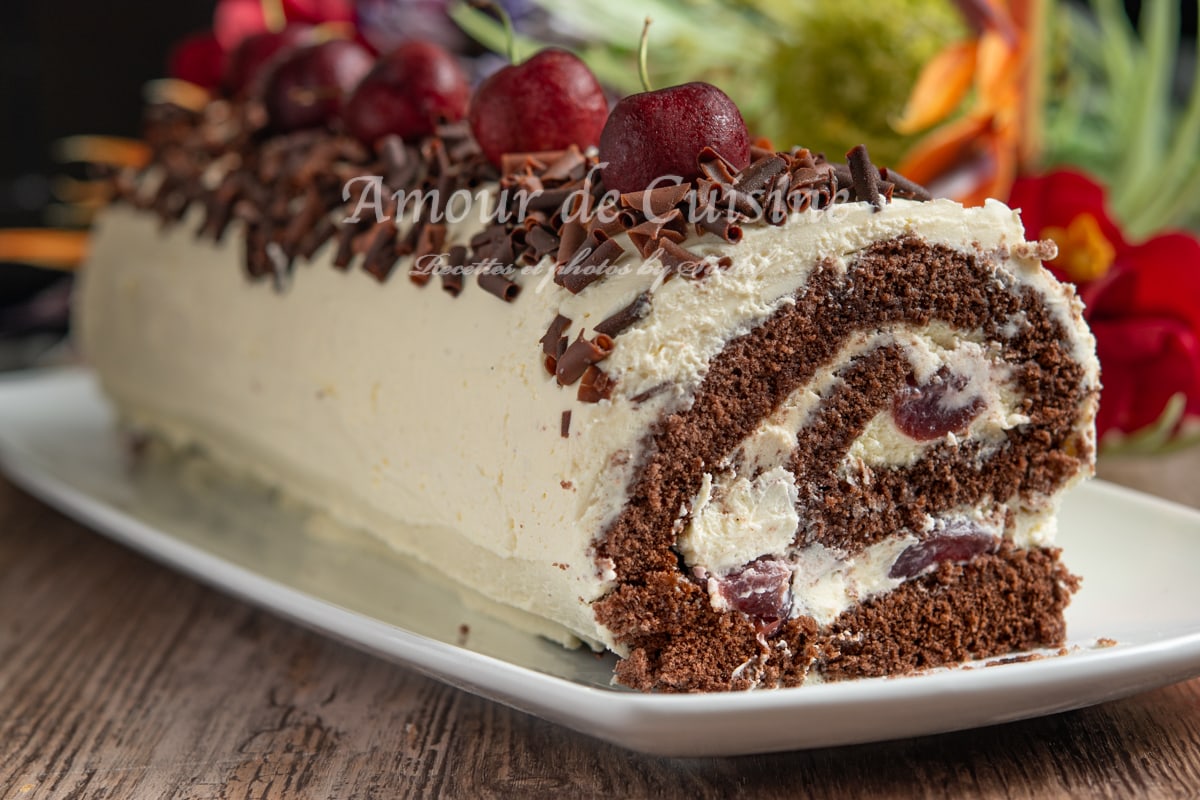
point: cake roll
(784, 424)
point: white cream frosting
(430, 420)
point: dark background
(77, 66)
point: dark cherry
(249, 60)
(308, 87)
(407, 93)
(762, 590)
(549, 102)
(959, 542)
(660, 133)
(930, 411)
(198, 59)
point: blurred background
(67, 67)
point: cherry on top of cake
(660, 132)
(303, 115)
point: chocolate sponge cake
(781, 422)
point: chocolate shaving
(581, 354)
(619, 321)
(715, 166)
(541, 242)
(760, 173)
(320, 233)
(512, 163)
(453, 269)
(549, 199)
(565, 426)
(908, 189)
(864, 176)
(570, 166)
(606, 224)
(722, 226)
(668, 226)
(380, 256)
(549, 340)
(680, 261)
(594, 386)
(430, 241)
(571, 237)
(579, 274)
(499, 284)
(656, 202)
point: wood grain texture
(122, 679)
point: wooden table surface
(122, 679)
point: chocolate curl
(499, 285)
(594, 386)
(541, 242)
(760, 173)
(619, 321)
(864, 176)
(722, 226)
(758, 151)
(802, 157)
(511, 163)
(905, 187)
(658, 201)
(345, 247)
(843, 179)
(570, 166)
(577, 275)
(433, 152)
(549, 340)
(564, 427)
(582, 354)
(570, 239)
(452, 275)
(431, 240)
(380, 254)
(679, 261)
(776, 200)
(550, 200)
(256, 263)
(311, 211)
(487, 238)
(605, 224)
(219, 208)
(715, 166)
(321, 233)
(669, 226)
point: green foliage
(1110, 111)
(827, 74)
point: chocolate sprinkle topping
(553, 333)
(565, 425)
(453, 269)
(577, 275)
(594, 386)
(618, 322)
(864, 176)
(581, 354)
(495, 282)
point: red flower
(1142, 300)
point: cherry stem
(505, 20)
(643, 70)
(273, 15)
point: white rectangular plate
(1136, 554)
